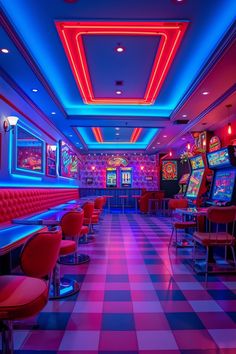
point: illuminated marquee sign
(214, 144)
(117, 161)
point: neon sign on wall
(117, 161)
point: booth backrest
(19, 202)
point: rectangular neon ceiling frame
(71, 34)
(99, 138)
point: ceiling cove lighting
(98, 134)
(135, 135)
(71, 34)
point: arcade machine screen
(197, 162)
(111, 178)
(184, 179)
(126, 176)
(223, 186)
(194, 184)
(218, 158)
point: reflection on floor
(137, 298)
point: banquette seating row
(19, 202)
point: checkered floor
(136, 297)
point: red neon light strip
(71, 34)
(135, 135)
(98, 135)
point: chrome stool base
(66, 287)
(75, 259)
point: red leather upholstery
(24, 296)
(71, 223)
(88, 208)
(143, 201)
(40, 254)
(18, 202)
(21, 297)
(67, 247)
(84, 230)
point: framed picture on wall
(169, 170)
(69, 161)
(28, 154)
(51, 160)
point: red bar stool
(23, 296)
(179, 224)
(123, 199)
(71, 226)
(63, 287)
(136, 198)
(90, 218)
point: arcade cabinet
(111, 177)
(126, 176)
(223, 188)
(183, 182)
(197, 182)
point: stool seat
(21, 296)
(84, 230)
(67, 247)
(184, 224)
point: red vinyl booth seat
(19, 202)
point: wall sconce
(9, 123)
(188, 146)
(170, 153)
(229, 129)
(141, 168)
(228, 107)
(93, 168)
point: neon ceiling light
(98, 134)
(170, 33)
(149, 134)
(99, 138)
(135, 135)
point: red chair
(90, 219)
(63, 286)
(71, 226)
(98, 206)
(179, 224)
(144, 201)
(23, 296)
(217, 216)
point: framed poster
(69, 162)
(51, 160)
(169, 170)
(29, 151)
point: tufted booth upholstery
(19, 202)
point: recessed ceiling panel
(117, 138)
(161, 42)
